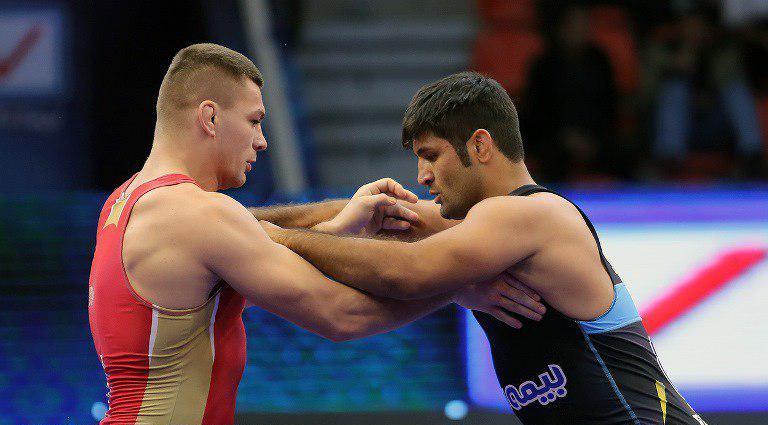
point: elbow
(340, 336)
(349, 320)
(333, 332)
(345, 330)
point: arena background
(653, 115)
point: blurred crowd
(634, 90)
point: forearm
(299, 215)
(380, 267)
(429, 222)
(364, 315)
(301, 294)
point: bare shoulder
(214, 206)
(176, 203)
(545, 212)
(510, 209)
(185, 210)
(564, 217)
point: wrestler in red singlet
(162, 365)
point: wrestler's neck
(503, 178)
(179, 155)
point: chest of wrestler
(549, 374)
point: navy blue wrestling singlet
(565, 371)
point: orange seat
(701, 167)
(507, 56)
(610, 31)
(508, 13)
(609, 17)
(761, 104)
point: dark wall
(130, 47)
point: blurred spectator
(703, 101)
(509, 31)
(570, 109)
(756, 64)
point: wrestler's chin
(452, 213)
(239, 182)
(233, 182)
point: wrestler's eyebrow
(420, 152)
(260, 114)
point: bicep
(482, 246)
(269, 275)
(276, 279)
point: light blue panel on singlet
(622, 313)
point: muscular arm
(299, 215)
(427, 220)
(310, 215)
(476, 249)
(235, 248)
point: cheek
(446, 175)
(436, 170)
(461, 182)
(244, 138)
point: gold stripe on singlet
(180, 366)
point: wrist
(273, 231)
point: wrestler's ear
(206, 116)
(480, 145)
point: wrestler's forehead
(428, 141)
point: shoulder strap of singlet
(141, 190)
(131, 198)
(165, 180)
(168, 180)
(530, 189)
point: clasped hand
(374, 207)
